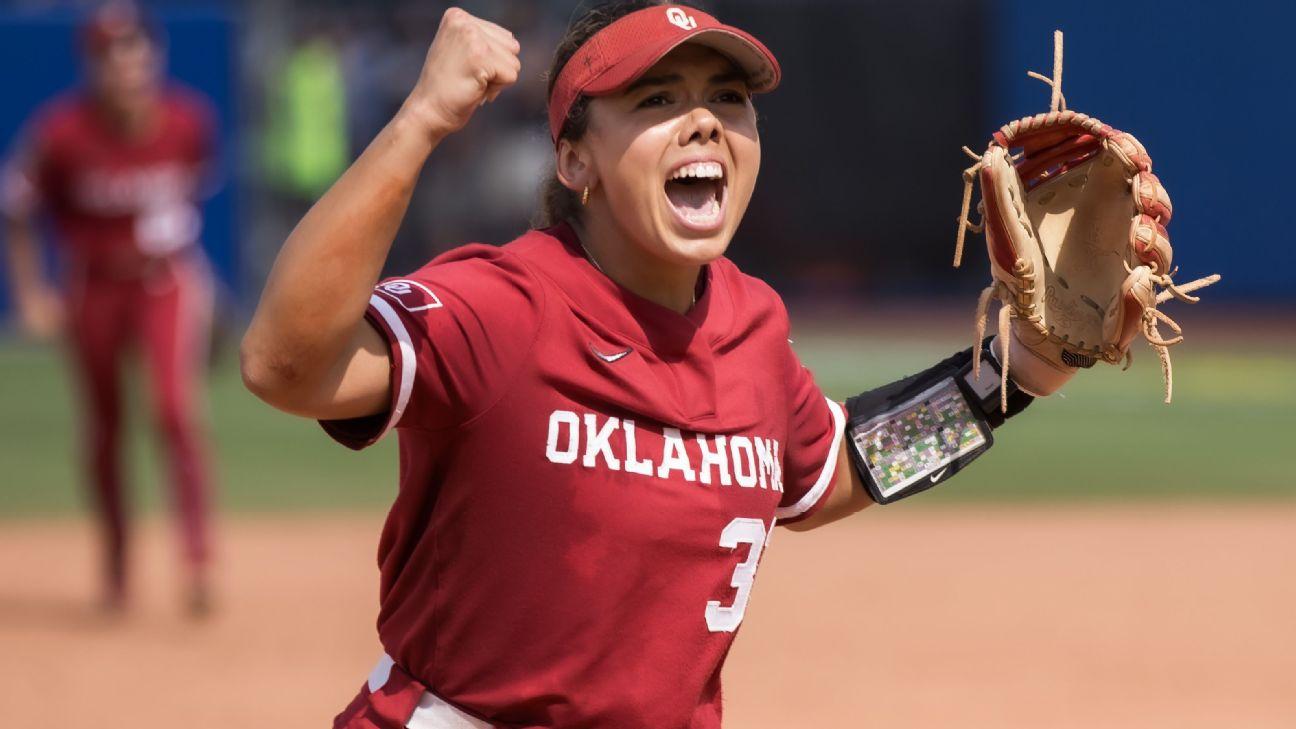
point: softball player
(600, 422)
(119, 168)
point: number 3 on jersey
(727, 618)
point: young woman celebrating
(601, 421)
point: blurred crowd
(325, 81)
(317, 79)
(322, 79)
(860, 173)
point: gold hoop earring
(585, 196)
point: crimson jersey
(116, 201)
(587, 481)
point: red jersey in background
(116, 201)
(126, 218)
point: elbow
(270, 379)
(255, 372)
(16, 224)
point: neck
(131, 117)
(671, 285)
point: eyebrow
(729, 76)
(643, 81)
(724, 77)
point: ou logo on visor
(680, 18)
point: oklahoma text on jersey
(751, 461)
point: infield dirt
(908, 616)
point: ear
(574, 166)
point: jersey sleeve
(815, 429)
(457, 332)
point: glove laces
(1153, 317)
(1015, 299)
(1056, 103)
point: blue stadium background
(39, 49)
(862, 160)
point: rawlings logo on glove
(1075, 227)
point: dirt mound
(902, 617)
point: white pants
(432, 712)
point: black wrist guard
(912, 434)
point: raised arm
(308, 349)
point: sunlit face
(676, 155)
(126, 68)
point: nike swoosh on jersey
(610, 358)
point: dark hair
(113, 20)
(557, 203)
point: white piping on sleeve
(817, 491)
(408, 363)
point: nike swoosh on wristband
(937, 476)
(610, 358)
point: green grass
(264, 460)
(1110, 438)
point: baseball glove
(1074, 223)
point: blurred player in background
(119, 167)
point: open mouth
(696, 192)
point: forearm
(22, 253)
(848, 495)
(320, 284)
(912, 417)
(308, 350)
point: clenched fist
(470, 62)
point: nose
(700, 127)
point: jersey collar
(645, 322)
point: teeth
(701, 170)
